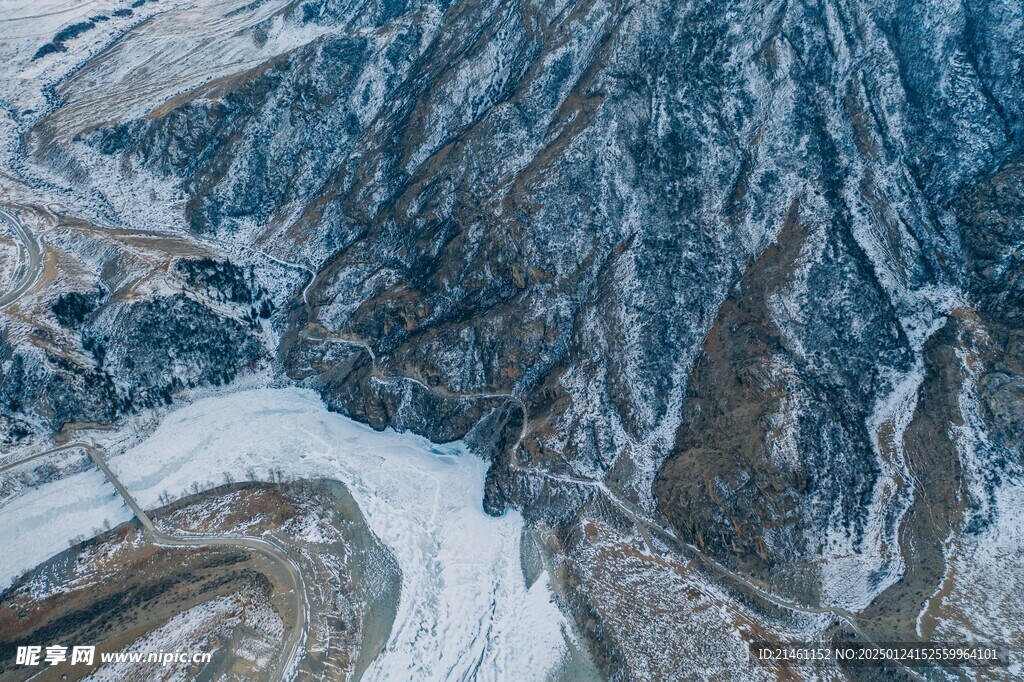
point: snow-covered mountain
(739, 281)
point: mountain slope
(749, 270)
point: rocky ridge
(751, 269)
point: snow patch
(465, 609)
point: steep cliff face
(992, 213)
(774, 465)
(700, 256)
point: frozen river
(465, 609)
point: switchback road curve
(31, 262)
(293, 644)
(292, 650)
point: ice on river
(45, 520)
(464, 608)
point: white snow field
(44, 520)
(465, 609)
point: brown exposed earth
(116, 588)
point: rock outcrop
(744, 269)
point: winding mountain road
(649, 525)
(293, 644)
(31, 262)
(638, 517)
(271, 550)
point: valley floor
(465, 608)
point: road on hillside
(31, 262)
(293, 644)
